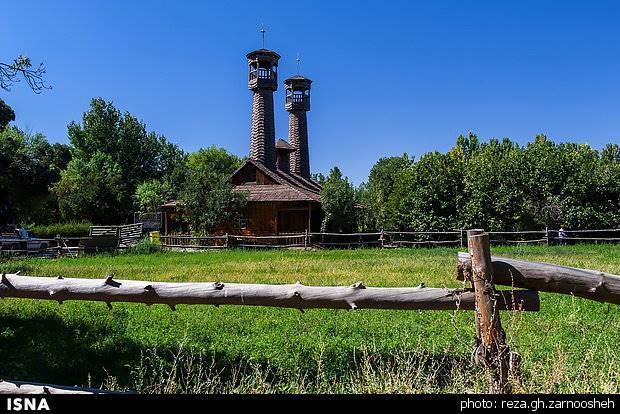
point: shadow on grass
(48, 348)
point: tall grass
(569, 346)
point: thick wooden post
(547, 236)
(491, 349)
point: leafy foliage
(28, 166)
(150, 195)
(373, 197)
(68, 229)
(497, 185)
(208, 198)
(94, 190)
(338, 203)
(113, 155)
(6, 115)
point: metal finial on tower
(298, 62)
(262, 32)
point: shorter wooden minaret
(297, 104)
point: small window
(243, 223)
(250, 176)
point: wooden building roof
(283, 145)
(263, 184)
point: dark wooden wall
(262, 217)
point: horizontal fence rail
(589, 284)
(20, 387)
(106, 238)
(386, 239)
(100, 238)
(295, 296)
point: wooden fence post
(491, 349)
(58, 245)
(382, 238)
(306, 239)
(226, 241)
(547, 235)
(462, 238)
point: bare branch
(21, 67)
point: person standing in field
(561, 235)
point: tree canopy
(6, 115)
(208, 198)
(114, 166)
(29, 165)
(338, 203)
(112, 155)
(497, 185)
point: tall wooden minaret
(297, 104)
(263, 82)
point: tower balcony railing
(296, 98)
(262, 73)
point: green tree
(93, 190)
(495, 188)
(499, 185)
(373, 196)
(29, 165)
(150, 195)
(424, 195)
(338, 203)
(208, 198)
(131, 155)
(6, 115)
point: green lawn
(571, 345)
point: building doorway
(292, 221)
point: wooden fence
(477, 268)
(100, 238)
(387, 239)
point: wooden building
(282, 197)
(278, 202)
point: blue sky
(389, 77)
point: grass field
(571, 345)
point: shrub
(144, 246)
(69, 229)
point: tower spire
(262, 32)
(298, 60)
